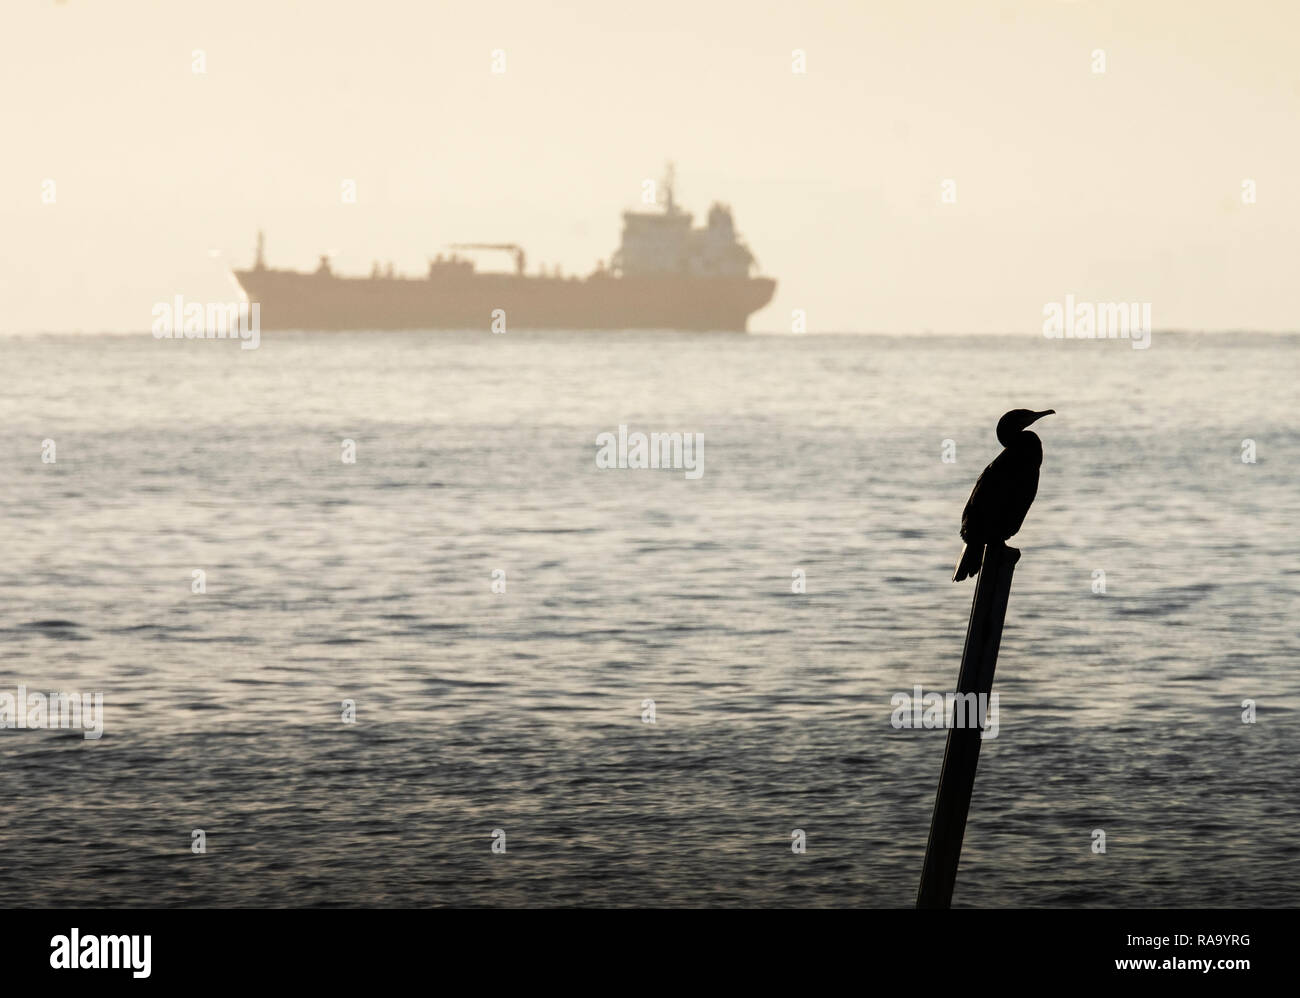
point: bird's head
(1015, 421)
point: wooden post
(961, 756)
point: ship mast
(670, 175)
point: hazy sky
(1117, 186)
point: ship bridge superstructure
(664, 242)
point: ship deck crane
(514, 248)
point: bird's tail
(968, 564)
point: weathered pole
(962, 754)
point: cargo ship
(666, 274)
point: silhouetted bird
(1003, 492)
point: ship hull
(293, 300)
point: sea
(374, 625)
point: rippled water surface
(522, 711)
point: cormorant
(1003, 492)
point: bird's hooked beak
(1040, 415)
